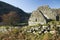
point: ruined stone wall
(41, 15)
(36, 18)
(48, 13)
(57, 12)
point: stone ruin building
(43, 15)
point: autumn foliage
(11, 18)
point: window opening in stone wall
(57, 18)
(36, 20)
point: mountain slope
(7, 9)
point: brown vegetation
(11, 18)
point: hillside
(7, 9)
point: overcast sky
(30, 5)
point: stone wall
(36, 18)
(42, 15)
(48, 13)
